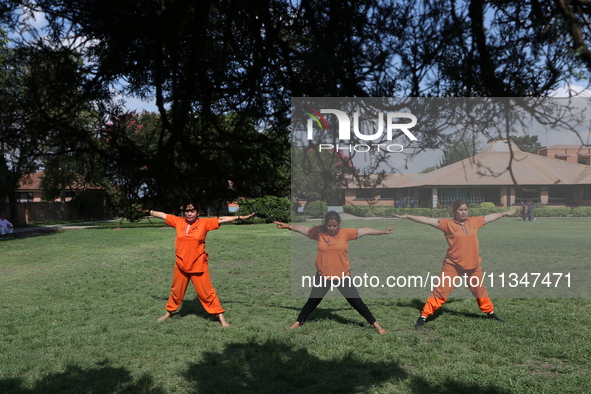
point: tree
(313, 174)
(4, 171)
(46, 110)
(204, 62)
(528, 143)
(208, 61)
(142, 168)
(457, 148)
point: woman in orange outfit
(192, 259)
(332, 261)
(462, 258)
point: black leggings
(347, 289)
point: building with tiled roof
(30, 189)
(579, 154)
(32, 207)
(502, 174)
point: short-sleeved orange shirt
(462, 238)
(190, 242)
(333, 252)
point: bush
(475, 210)
(580, 212)
(555, 212)
(365, 211)
(317, 209)
(268, 208)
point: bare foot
(223, 321)
(167, 315)
(379, 328)
(294, 325)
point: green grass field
(78, 314)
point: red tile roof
(33, 182)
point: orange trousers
(203, 288)
(446, 285)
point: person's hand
(389, 230)
(281, 225)
(405, 216)
(247, 216)
(510, 212)
(139, 208)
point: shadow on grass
(327, 314)
(276, 367)
(33, 232)
(194, 307)
(102, 379)
(416, 303)
(421, 385)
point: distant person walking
(523, 212)
(192, 261)
(332, 261)
(530, 211)
(462, 258)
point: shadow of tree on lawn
(276, 367)
(449, 386)
(321, 313)
(102, 379)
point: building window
(366, 194)
(528, 193)
(24, 196)
(584, 160)
(560, 194)
(587, 192)
(387, 194)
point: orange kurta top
(333, 252)
(462, 238)
(190, 242)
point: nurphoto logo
(386, 123)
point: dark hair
(331, 215)
(194, 204)
(457, 204)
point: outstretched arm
(298, 228)
(434, 222)
(228, 219)
(372, 231)
(494, 216)
(157, 214)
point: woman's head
(460, 210)
(191, 210)
(332, 223)
(330, 226)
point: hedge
(267, 208)
(544, 211)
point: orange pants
(203, 288)
(441, 292)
